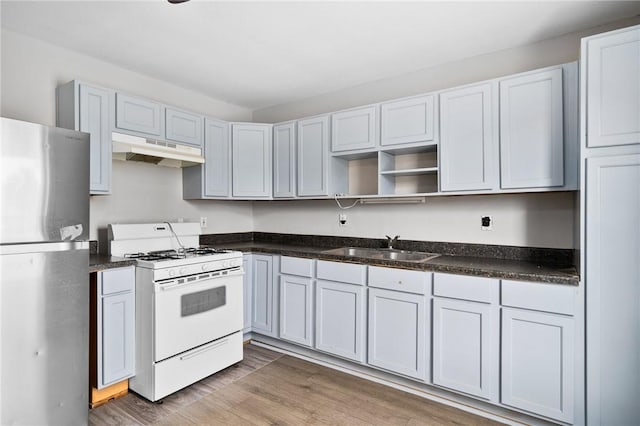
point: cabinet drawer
(342, 272)
(399, 279)
(467, 288)
(296, 266)
(117, 280)
(554, 298)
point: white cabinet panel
(247, 291)
(354, 129)
(296, 309)
(397, 332)
(537, 363)
(612, 289)
(118, 341)
(408, 121)
(95, 110)
(217, 159)
(297, 266)
(313, 156)
(183, 127)
(467, 139)
(262, 294)
(251, 152)
(465, 347)
(340, 320)
(531, 130)
(138, 115)
(613, 88)
(284, 160)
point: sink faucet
(391, 241)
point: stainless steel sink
(383, 254)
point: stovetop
(186, 253)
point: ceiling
(258, 54)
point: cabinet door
(613, 88)
(354, 129)
(537, 363)
(138, 115)
(296, 304)
(94, 119)
(262, 297)
(284, 160)
(117, 350)
(467, 139)
(531, 131)
(247, 281)
(217, 158)
(612, 289)
(398, 324)
(313, 157)
(251, 145)
(407, 121)
(183, 127)
(465, 347)
(340, 319)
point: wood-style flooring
(268, 388)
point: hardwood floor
(268, 388)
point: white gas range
(188, 305)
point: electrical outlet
(203, 222)
(342, 219)
(486, 223)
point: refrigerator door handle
(43, 247)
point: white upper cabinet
(467, 138)
(612, 71)
(251, 152)
(213, 178)
(531, 130)
(94, 119)
(183, 127)
(408, 121)
(354, 129)
(89, 109)
(313, 156)
(284, 160)
(138, 115)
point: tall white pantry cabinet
(610, 230)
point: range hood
(162, 153)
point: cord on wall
(355, 203)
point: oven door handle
(204, 349)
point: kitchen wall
(543, 220)
(30, 72)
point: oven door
(191, 311)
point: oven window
(202, 301)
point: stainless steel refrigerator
(44, 274)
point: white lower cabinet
(115, 325)
(537, 363)
(247, 263)
(465, 342)
(340, 319)
(296, 309)
(398, 324)
(264, 296)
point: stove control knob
(172, 272)
(182, 271)
(206, 267)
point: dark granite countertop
(100, 262)
(513, 269)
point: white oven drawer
(182, 370)
(194, 312)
